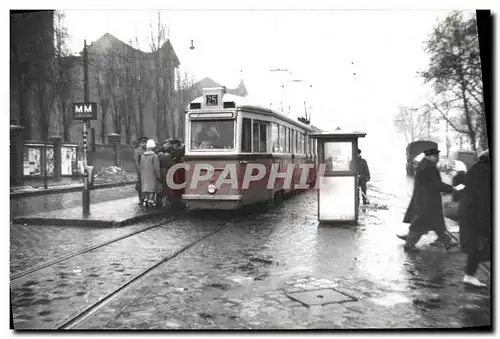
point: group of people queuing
(152, 164)
(425, 211)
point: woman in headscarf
(150, 174)
(475, 217)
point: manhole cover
(320, 297)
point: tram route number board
(212, 99)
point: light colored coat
(150, 172)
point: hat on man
(143, 139)
(431, 151)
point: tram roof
(250, 103)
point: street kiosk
(338, 193)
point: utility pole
(85, 192)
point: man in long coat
(425, 212)
(475, 217)
(150, 174)
(138, 152)
(363, 176)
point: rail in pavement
(65, 189)
(113, 213)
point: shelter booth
(338, 193)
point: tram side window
(287, 140)
(301, 143)
(246, 136)
(259, 137)
(275, 137)
(255, 137)
(263, 138)
(282, 133)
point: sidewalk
(112, 213)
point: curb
(86, 222)
(72, 189)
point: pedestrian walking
(425, 211)
(138, 152)
(166, 162)
(363, 176)
(150, 174)
(180, 175)
(475, 217)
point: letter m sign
(85, 111)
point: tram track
(80, 317)
(87, 249)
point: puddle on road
(391, 300)
(241, 279)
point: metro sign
(85, 111)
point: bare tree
(162, 73)
(143, 87)
(416, 123)
(127, 99)
(47, 85)
(184, 96)
(103, 92)
(64, 73)
(455, 73)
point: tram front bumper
(212, 202)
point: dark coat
(166, 162)
(363, 170)
(138, 152)
(425, 212)
(475, 208)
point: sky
(323, 49)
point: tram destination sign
(212, 99)
(85, 111)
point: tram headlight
(212, 188)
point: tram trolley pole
(85, 111)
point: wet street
(274, 269)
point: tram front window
(212, 135)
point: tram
(223, 129)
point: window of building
(246, 136)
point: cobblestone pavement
(51, 202)
(44, 299)
(243, 278)
(31, 246)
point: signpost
(85, 111)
